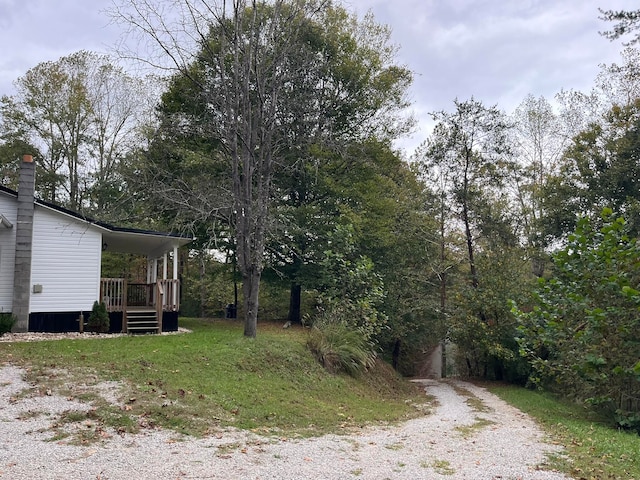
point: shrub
(7, 320)
(339, 348)
(347, 319)
(580, 336)
(98, 319)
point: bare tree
(244, 47)
(539, 139)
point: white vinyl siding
(7, 251)
(65, 261)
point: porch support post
(175, 275)
(175, 262)
(164, 266)
(149, 268)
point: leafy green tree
(470, 147)
(82, 112)
(365, 187)
(600, 130)
(348, 303)
(416, 278)
(599, 170)
(350, 291)
(341, 136)
(208, 285)
(580, 335)
(486, 346)
(467, 162)
(390, 210)
(11, 152)
(369, 190)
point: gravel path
(455, 442)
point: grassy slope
(197, 382)
(595, 451)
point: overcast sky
(495, 50)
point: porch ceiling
(151, 244)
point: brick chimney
(24, 240)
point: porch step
(142, 321)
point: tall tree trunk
(443, 280)
(469, 238)
(467, 222)
(295, 295)
(395, 356)
(295, 300)
(251, 289)
(250, 267)
(203, 288)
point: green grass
(443, 467)
(477, 405)
(214, 377)
(594, 450)
(479, 423)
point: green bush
(98, 319)
(580, 334)
(347, 319)
(339, 348)
(7, 320)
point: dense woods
(507, 237)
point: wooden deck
(141, 304)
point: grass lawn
(214, 377)
(594, 450)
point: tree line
(270, 139)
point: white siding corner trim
(65, 262)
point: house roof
(120, 239)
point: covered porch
(151, 305)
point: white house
(50, 261)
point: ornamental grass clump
(339, 348)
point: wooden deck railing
(170, 295)
(113, 294)
(117, 294)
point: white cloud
(496, 51)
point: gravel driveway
(480, 439)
